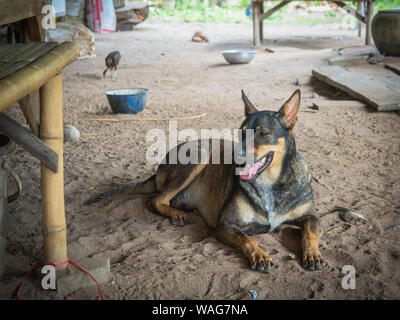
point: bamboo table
(259, 15)
(30, 74)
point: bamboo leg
(261, 21)
(360, 9)
(256, 23)
(369, 14)
(359, 28)
(52, 184)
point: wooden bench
(259, 15)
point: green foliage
(386, 4)
(234, 11)
(201, 11)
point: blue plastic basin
(127, 100)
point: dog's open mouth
(251, 171)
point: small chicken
(112, 61)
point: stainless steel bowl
(239, 56)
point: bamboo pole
(148, 119)
(256, 23)
(368, 23)
(261, 21)
(52, 184)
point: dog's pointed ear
(248, 106)
(289, 110)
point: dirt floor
(353, 154)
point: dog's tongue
(249, 171)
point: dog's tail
(146, 187)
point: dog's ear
(289, 110)
(248, 106)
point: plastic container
(131, 100)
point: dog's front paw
(260, 260)
(178, 218)
(312, 259)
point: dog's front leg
(312, 259)
(231, 234)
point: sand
(353, 154)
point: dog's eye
(262, 132)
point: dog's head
(272, 142)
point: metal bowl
(239, 56)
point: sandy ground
(353, 153)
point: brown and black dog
(272, 190)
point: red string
(26, 279)
(97, 283)
(57, 264)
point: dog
(272, 190)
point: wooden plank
(340, 60)
(333, 103)
(35, 29)
(394, 66)
(274, 9)
(375, 86)
(357, 50)
(30, 142)
(30, 107)
(355, 13)
(16, 10)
